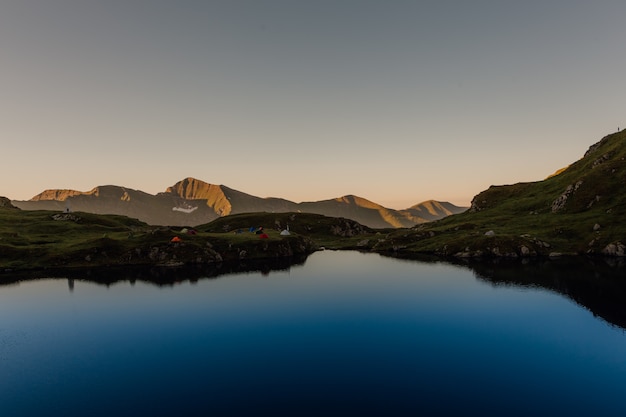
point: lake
(340, 333)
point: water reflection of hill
(160, 276)
(598, 285)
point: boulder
(615, 249)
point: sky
(395, 101)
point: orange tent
(176, 239)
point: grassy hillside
(46, 239)
(42, 237)
(50, 239)
(581, 210)
(329, 232)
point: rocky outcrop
(615, 249)
(601, 160)
(5, 203)
(347, 228)
(66, 217)
(561, 201)
(477, 205)
(493, 196)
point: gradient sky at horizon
(396, 101)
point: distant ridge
(191, 202)
(433, 210)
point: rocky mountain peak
(194, 189)
(57, 195)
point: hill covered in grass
(50, 239)
(579, 210)
(46, 239)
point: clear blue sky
(394, 101)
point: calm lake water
(344, 333)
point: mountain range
(191, 202)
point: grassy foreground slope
(580, 210)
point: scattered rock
(592, 202)
(596, 227)
(615, 249)
(490, 233)
(65, 217)
(601, 160)
(559, 203)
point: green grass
(329, 232)
(34, 239)
(522, 215)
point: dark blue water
(344, 334)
